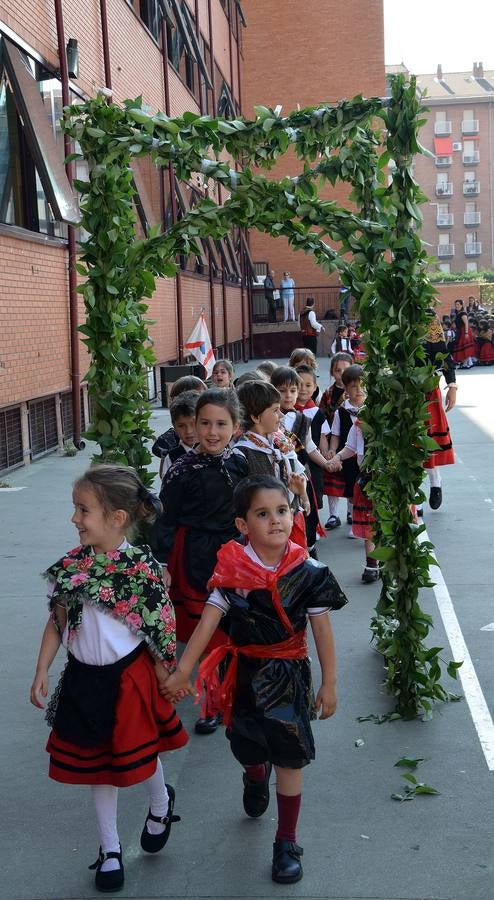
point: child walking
(197, 517)
(270, 590)
(341, 484)
(109, 607)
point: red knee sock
(288, 811)
(256, 774)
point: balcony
(446, 250)
(444, 220)
(442, 128)
(445, 189)
(443, 161)
(474, 248)
(471, 159)
(471, 187)
(470, 126)
(471, 218)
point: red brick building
(209, 56)
(459, 180)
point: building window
(472, 267)
(34, 191)
(148, 12)
(184, 48)
(444, 267)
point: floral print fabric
(126, 584)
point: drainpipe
(173, 196)
(247, 280)
(75, 376)
(106, 43)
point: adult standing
(309, 326)
(344, 303)
(269, 289)
(464, 348)
(287, 291)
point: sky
(423, 33)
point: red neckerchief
(309, 405)
(234, 569)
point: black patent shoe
(435, 497)
(370, 574)
(153, 843)
(208, 725)
(256, 794)
(287, 868)
(108, 882)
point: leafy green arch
(374, 247)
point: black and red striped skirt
(485, 352)
(464, 346)
(438, 429)
(145, 724)
(362, 514)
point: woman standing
(464, 348)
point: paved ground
(358, 842)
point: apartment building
(215, 57)
(459, 180)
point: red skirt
(362, 517)
(438, 429)
(334, 484)
(145, 724)
(188, 602)
(298, 533)
(464, 346)
(485, 352)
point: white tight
(434, 477)
(333, 505)
(105, 798)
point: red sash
(295, 647)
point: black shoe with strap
(287, 868)
(435, 497)
(153, 843)
(108, 882)
(208, 725)
(256, 794)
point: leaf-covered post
(394, 310)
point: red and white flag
(199, 345)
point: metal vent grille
(10, 438)
(67, 415)
(42, 425)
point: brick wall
(327, 52)
(448, 293)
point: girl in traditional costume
(109, 607)
(265, 593)
(198, 517)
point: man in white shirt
(309, 326)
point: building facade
(208, 56)
(459, 180)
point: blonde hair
(302, 356)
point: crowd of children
(468, 333)
(225, 561)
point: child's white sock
(434, 477)
(158, 799)
(105, 798)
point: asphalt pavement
(358, 842)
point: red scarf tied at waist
(236, 571)
(293, 648)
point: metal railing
(470, 126)
(473, 248)
(471, 218)
(445, 250)
(445, 219)
(444, 189)
(471, 159)
(327, 303)
(442, 161)
(471, 187)
(443, 127)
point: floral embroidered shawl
(126, 584)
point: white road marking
(488, 627)
(11, 490)
(477, 704)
